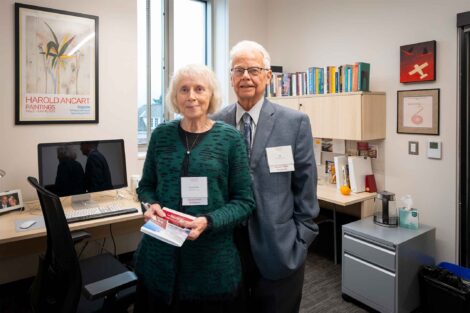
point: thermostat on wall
(434, 149)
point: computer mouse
(27, 224)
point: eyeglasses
(252, 71)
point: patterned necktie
(246, 131)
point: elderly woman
(12, 201)
(203, 275)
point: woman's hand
(153, 211)
(197, 226)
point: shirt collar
(254, 112)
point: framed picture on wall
(418, 62)
(56, 66)
(418, 111)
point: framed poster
(56, 66)
(418, 62)
(418, 111)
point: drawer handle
(370, 265)
(369, 245)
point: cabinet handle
(369, 265)
(369, 245)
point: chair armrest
(79, 235)
(110, 285)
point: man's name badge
(194, 190)
(280, 159)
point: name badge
(280, 159)
(194, 190)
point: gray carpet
(322, 288)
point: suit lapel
(263, 131)
(230, 117)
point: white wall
(306, 33)
(117, 91)
(247, 21)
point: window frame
(168, 49)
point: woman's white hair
(200, 72)
(250, 46)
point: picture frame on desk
(11, 200)
(56, 66)
(418, 111)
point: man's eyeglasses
(252, 71)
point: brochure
(167, 229)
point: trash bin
(460, 271)
(443, 290)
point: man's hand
(154, 210)
(198, 226)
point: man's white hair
(250, 46)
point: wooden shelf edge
(341, 94)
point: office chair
(66, 284)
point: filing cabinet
(380, 265)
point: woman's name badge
(280, 159)
(194, 190)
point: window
(171, 33)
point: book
(340, 166)
(359, 168)
(363, 78)
(167, 229)
(286, 90)
(321, 78)
(354, 77)
(347, 78)
(332, 73)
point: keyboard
(96, 212)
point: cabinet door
(373, 117)
(292, 103)
(350, 116)
(335, 116)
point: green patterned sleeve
(241, 202)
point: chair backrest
(58, 284)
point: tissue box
(409, 219)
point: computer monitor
(78, 168)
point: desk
(360, 205)
(18, 248)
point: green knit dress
(208, 267)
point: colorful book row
(319, 80)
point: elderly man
(4, 202)
(280, 146)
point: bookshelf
(349, 116)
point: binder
(359, 167)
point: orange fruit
(345, 190)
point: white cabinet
(350, 116)
(380, 265)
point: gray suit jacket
(282, 227)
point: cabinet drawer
(368, 283)
(369, 251)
